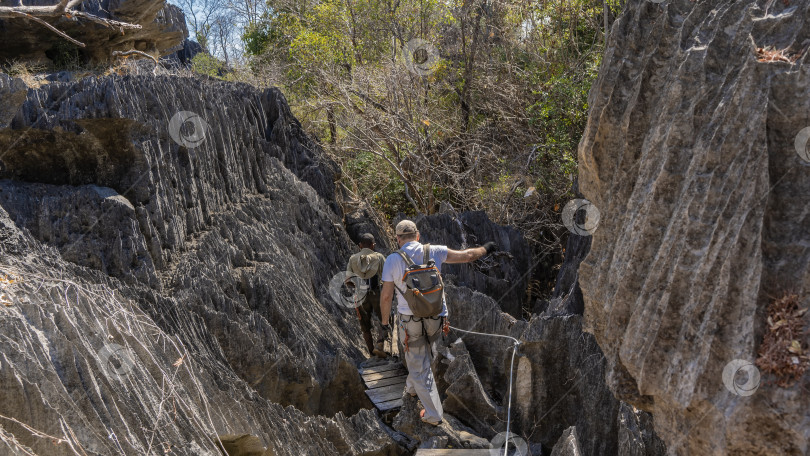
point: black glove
(490, 247)
(387, 331)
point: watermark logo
(188, 129)
(581, 217)
(741, 377)
(116, 360)
(420, 56)
(802, 144)
(348, 289)
(500, 444)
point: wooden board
(385, 382)
(381, 368)
(453, 452)
(386, 393)
(390, 405)
(387, 374)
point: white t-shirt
(394, 269)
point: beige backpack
(367, 267)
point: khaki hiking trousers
(418, 356)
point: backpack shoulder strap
(408, 260)
(425, 254)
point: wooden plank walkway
(453, 452)
(385, 382)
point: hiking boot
(426, 421)
(379, 350)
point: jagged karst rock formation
(12, 95)
(162, 31)
(208, 264)
(207, 245)
(218, 255)
(689, 154)
(58, 335)
(559, 380)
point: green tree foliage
(490, 119)
(206, 64)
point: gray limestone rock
(635, 433)
(174, 286)
(452, 433)
(558, 380)
(82, 361)
(466, 398)
(568, 445)
(694, 155)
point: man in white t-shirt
(419, 334)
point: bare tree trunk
(330, 118)
(605, 6)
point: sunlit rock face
(168, 275)
(691, 156)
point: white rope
(511, 371)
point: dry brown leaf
(795, 347)
(768, 54)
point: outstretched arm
(385, 301)
(468, 255)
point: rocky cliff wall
(91, 365)
(140, 240)
(690, 154)
(559, 382)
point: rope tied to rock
(515, 345)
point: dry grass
(25, 71)
(769, 54)
(782, 353)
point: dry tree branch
(133, 51)
(45, 24)
(61, 9)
